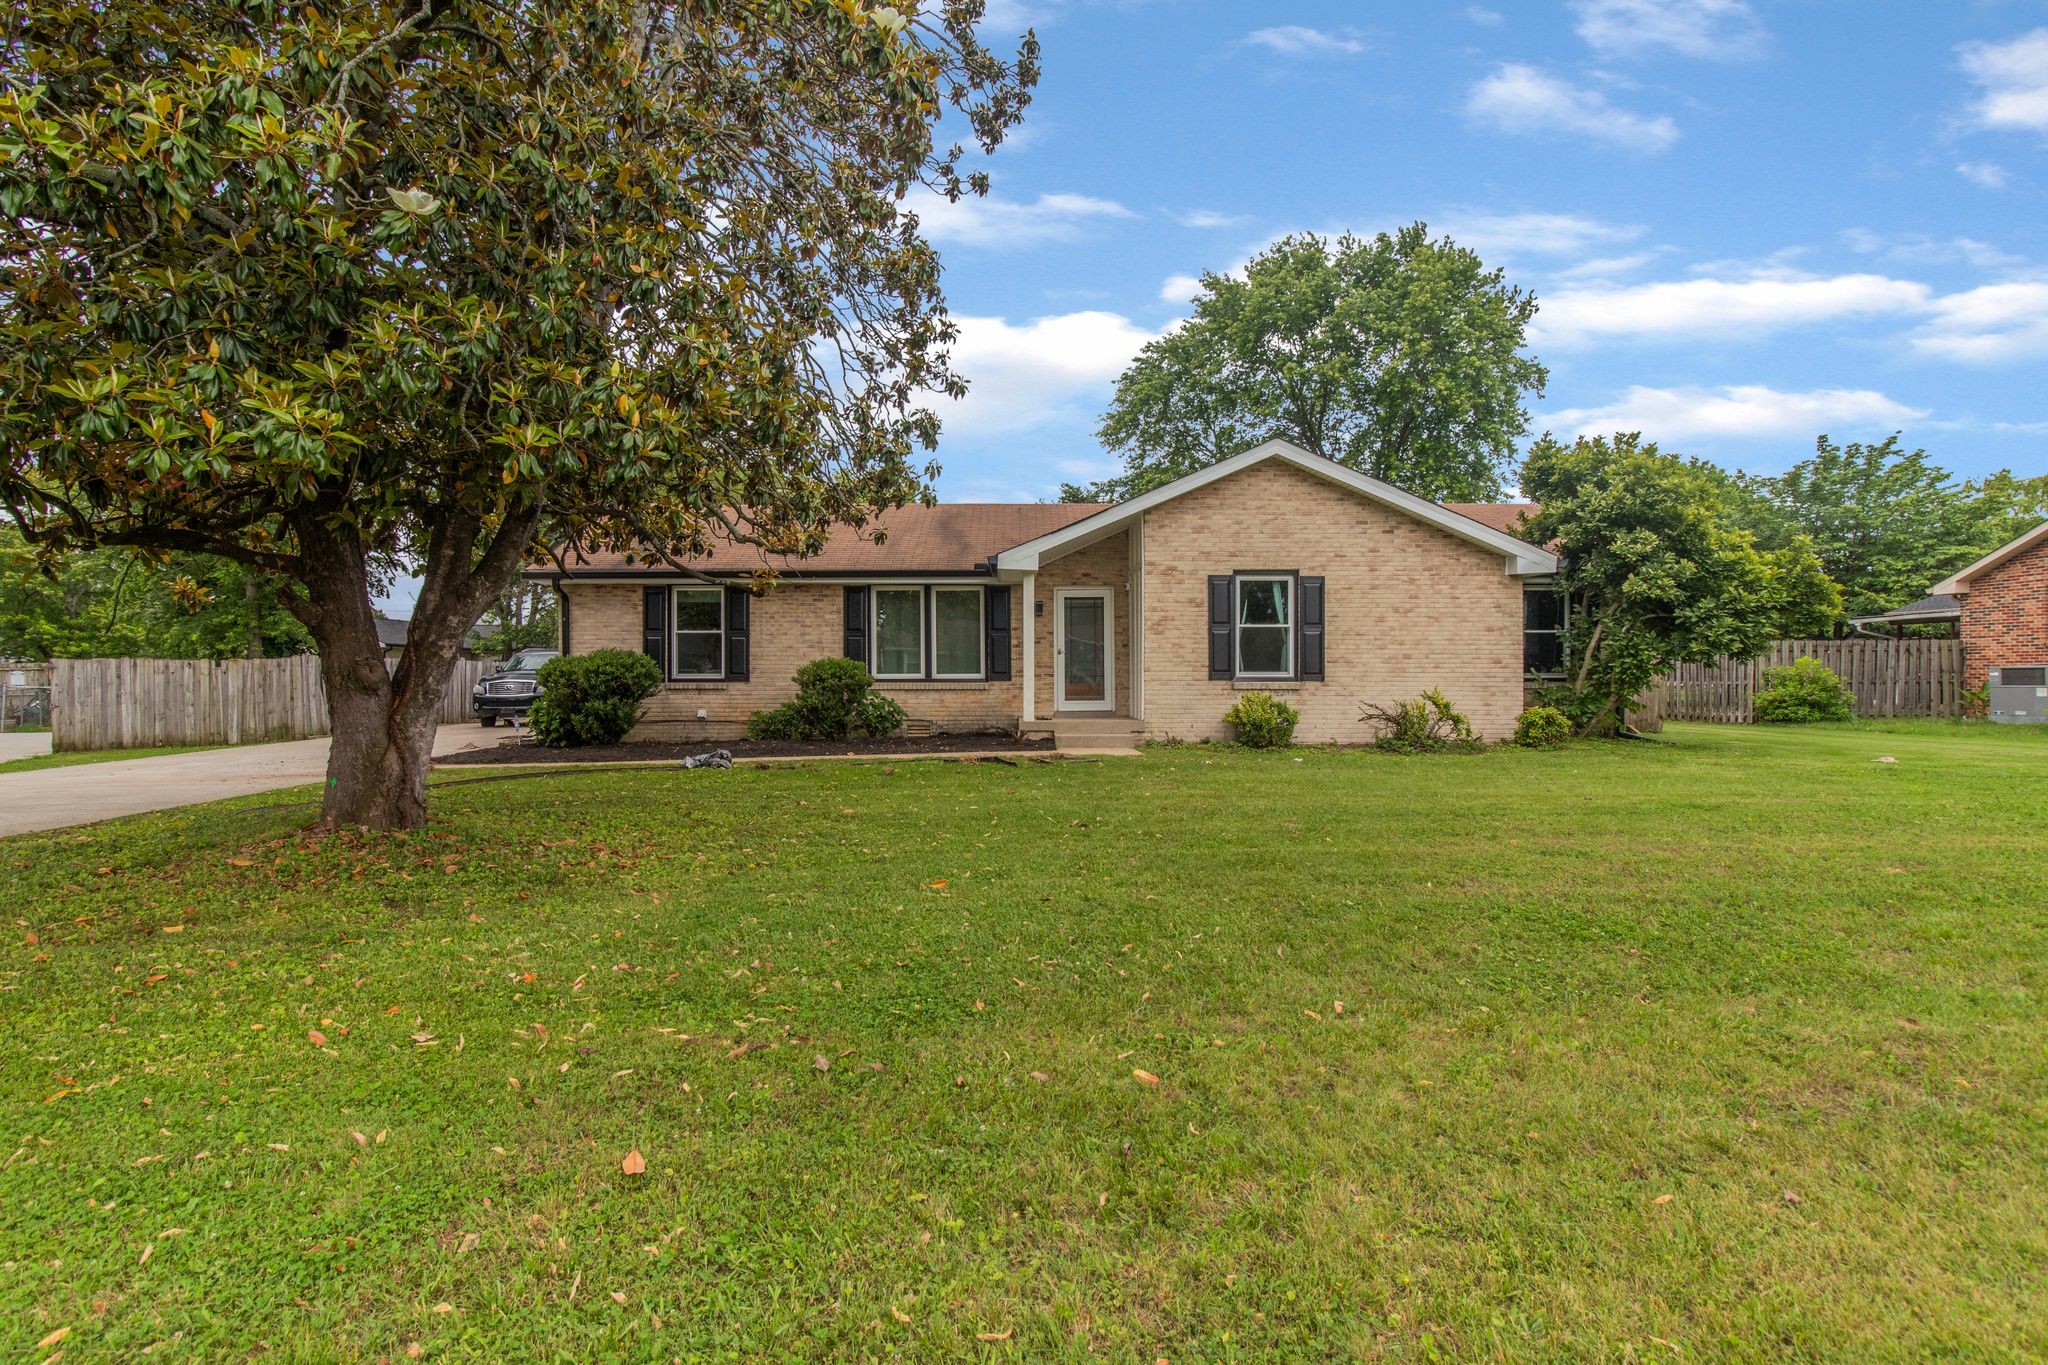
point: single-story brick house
(1275, 570)
(1999, 606)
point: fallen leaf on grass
(634, 1164)
(1003, 1335)
(1040, 1077)
(279, 1147)
(53, 1338)
(148, 1250)
(1664, 1199)
(821, 1063)
(316, 1037)
(1143, 1077)
(898, 1314)
(618, 1296)
(172, 929)
(361, 1141)
(444, 1307)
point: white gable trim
(1960, 582)
(1522, 558)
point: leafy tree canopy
(306, 285)
(1886, 522)
(111, 603)
(1400, 356)
(1658, 570)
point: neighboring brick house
(1999, 607)
(1274, 570)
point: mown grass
(1726, 1048)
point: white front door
(1083, 650)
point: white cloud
(1297, 40)
(1484, 17)
(1519, 98)
(1736, 410)
(1607, 267)
(1717, 29)
(1688, 308)
(1021, 375)
(1538, 234)
(1210, 218)
(1004, 223)
(1988, 174)
(2014, 80)
(1991, 323)
(1918, 248)
(1180, 289)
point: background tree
(1399, 356)
(1886, 523)
(526, 616)
(306, 286)
(1658, 572)
(130, 603)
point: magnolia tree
(322, 288)
(1657, 570)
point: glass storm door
(1083, 661)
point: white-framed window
(957, 636)
(1545, 614)
(700, 633)
(898, 632)
(1265, 626)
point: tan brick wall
(1408, 606)
(2005, 616)
(790, 625)
(1105, 564)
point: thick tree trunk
(383, 718)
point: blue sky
(1747, 223)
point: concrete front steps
(1095, 734)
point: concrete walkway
(54, 798)
(14, 745)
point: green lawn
(1731, 1047)
(37, 762)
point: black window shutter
(1310, 653)
(1222, 663)
(995, 604)
(857, 624)
(737, 602)
(654, 626)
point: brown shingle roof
(1501, 516)
(954, 537)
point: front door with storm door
(1083, 665)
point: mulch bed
(522, 753)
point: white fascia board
(1522, 558)
(1959, 582)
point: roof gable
(1521, 557)
(2012, 549)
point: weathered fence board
(1886, 678)
(142, 703)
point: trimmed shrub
(1805, 690)
(1584, 709)
(591, 698)
(1263, 721)
(1542, 727)
(1428, 724)
(835, 699)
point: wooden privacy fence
(141, 703)
(1886, 677)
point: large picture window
(1265, 626)
(700, 633)
(899, 632)
(957, 632)
(1544, 615)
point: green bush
(1542, 727)
(1805, 690)
(1263, 721)
(592, 698)
(1976, 702)
(835, 699)
(1428, 724)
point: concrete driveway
(54, 798)
(15, 745)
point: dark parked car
(511, 690)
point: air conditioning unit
(2019, 696)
